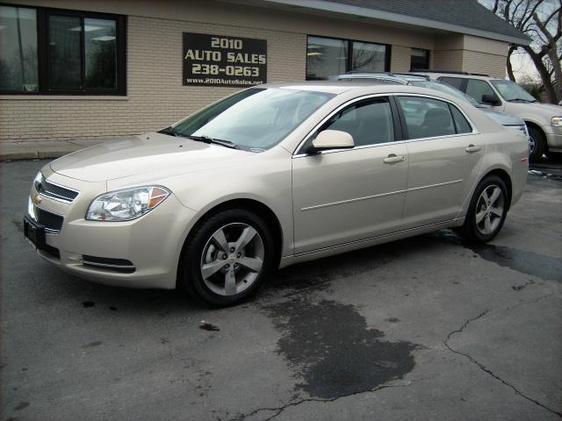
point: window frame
(366, 101)
(449, 105)
(42, 16)
(349, 43)
(399, 136)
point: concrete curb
(15, 151)
(22, 155)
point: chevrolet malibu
(271, 176)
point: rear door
(443, 153)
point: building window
(327, 57)
(18, 49)
(367, 57)
(419, 60)
(52, 51)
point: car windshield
(443, 87)
(511, 91)
(255, 119)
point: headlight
(556, 121)
(38, 180)
(125, 205)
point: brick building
(85, 68)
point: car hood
(153, 153)
(502, 118)
(549, 110)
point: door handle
(472, 148)
(393, 158)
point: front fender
(268, 183)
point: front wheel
(537, 144)
(228, 257)
(487, 211)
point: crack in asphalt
(486, 369)
(279, 410)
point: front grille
(115, 265)
(49, 220)
(55, 191)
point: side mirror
(491, 100)
(332, 139)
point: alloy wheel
(490, 209)
(232, 259)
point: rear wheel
(537, 144)
(228, 257)
(487, 210)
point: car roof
(327, 86)
(359, 87)
(403, 78)
(437, 74)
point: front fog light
(125, 205)
(556, 121)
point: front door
(348, 195)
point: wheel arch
(505, 177)
(533, 123)
(252, 205)
(537, 126)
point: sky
(523, 67)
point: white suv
(544, 121)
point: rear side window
(456, 82)
(478, 88)
(426, 117)
(461, 123)
(369, 122)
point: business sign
(217, 60)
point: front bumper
(143, 253)
(554, 141)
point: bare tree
(541, 20)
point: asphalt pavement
(426, 328)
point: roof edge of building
(350, 10)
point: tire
(481, 229)
(231, 275)
(537, 144)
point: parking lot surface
(425, 328)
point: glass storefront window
(325, 57)
(100, 53)
(18, 49)
(52, 51)
(64, 52)
(368, 57)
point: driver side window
(478, 88)
(369, 122)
